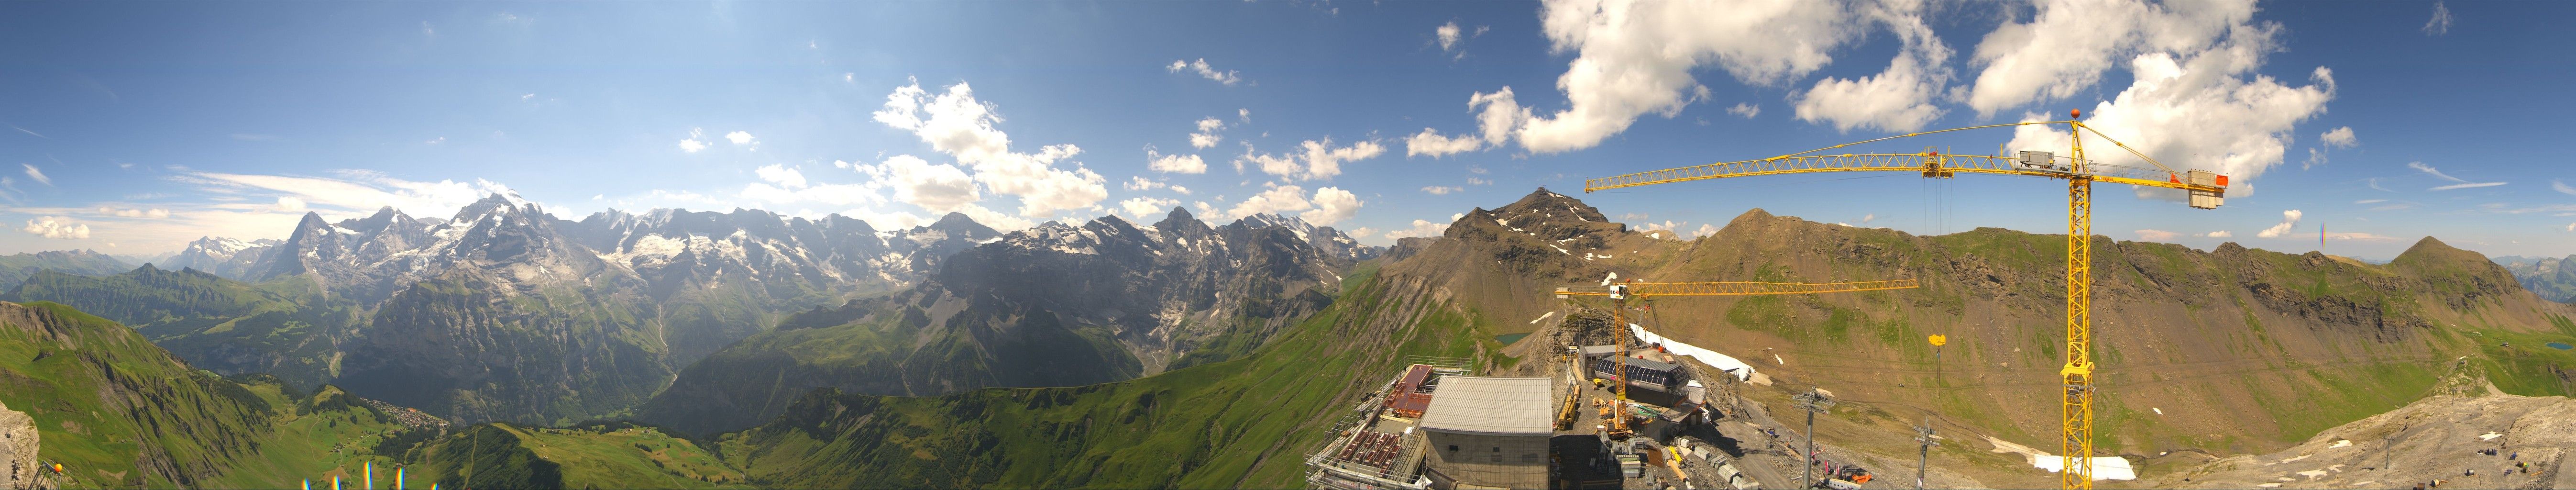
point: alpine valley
(503, 347)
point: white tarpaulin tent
(2103, 468)
(2111, 468)
(1721, 361)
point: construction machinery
(2204, 190)
(1621, 293)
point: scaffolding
(1370, 447)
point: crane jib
(2204, 189)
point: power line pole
(1923, 436)
(1814, 402)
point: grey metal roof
(1490, 406)
(1599, 350)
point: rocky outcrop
(18, 448)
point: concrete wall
(1490, 461)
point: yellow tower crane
(2206, 190)
(1620, 293)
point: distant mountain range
(2553, 279)
(505, 312)
(16, 268)
(1053, 305)
(1176, 354)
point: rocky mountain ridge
(2553, 278)
(1053, 305)
(221, 256)
(16, 268)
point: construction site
(1636, 410)
(1628, 412)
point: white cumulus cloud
(2192, 106)
(691, 144)
(781, 175)
(2218, 234)
(1899, 98)
(1332, 205)
(2561, 187)
(1634, 58)
(936, 187)
(1430, 142)
(2289, 220)
(1745, 109)
(1421, 228)
(1313, 160)
(2340, 138)
(957, 124)
(1278, 199)
(1498, 114)
(1186, 164)
(1201, 67)
(56, 227)
(1448, 35)
(2068, 44)
(739, 137)
(1147, 208)
(1206, 136)
(1437, 190)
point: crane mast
(1620, 293)
(2205, 190)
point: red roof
(1376, 449)
(1409, 399)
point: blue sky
(140, 126)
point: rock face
(2439, 437)
(1053, 305)
(18, 448)
(1333, 242)
(226, 257)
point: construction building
(1661, 376)
(1489, 432)
(1377, 444)
(1412, 393)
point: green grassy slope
(2226, 350)
(119, 412)
(282, 327)
(320, 436)
(1238, 423)
(500, 455)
